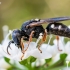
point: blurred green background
(14, 12)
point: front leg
(22, 48)
(30, 39)
(22, 45)
(9, 46)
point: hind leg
(57, 37)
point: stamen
(49, 39)
(10, 32)
(67, 62)
(5, 29)
(38, 39)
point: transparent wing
(49, 20)
(57, 19)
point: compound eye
(52, 26)
(16, 35)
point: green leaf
(63, 56)
(7, 59)
(28, 60)
(23, 62)
(32, 59)
(48, 60)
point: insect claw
(22, 56)
(9, 46)
(8, 51)
(39, 49)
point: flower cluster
(48, 51)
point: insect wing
(57, 19)
(49, 20)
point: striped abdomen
(58, 29)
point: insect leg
(44, 36)
(9, 46)
(57, 37)
(30, 37)
(42, 40)
(22, 46)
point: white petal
(68, 57)
(55, 58)
(65, 68)
(67, 47)
(4, 64)
(28, 53)
(38, 62)
(61, 43)
(44, 55)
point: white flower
(48, 51)
(57, 51)
(67, 50)
(3, 64)
(32, 50)
(38, 62)
(44, 55)
(16, 54)
(65, 47)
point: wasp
(33, 29)
(26, 33)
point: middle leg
(42, 40)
